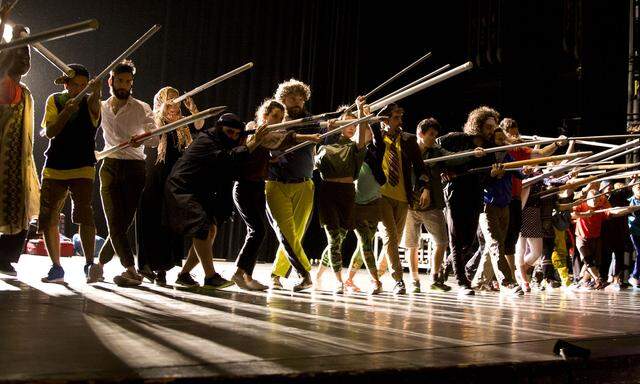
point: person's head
(499, 137)
(510, 127)
(636, 191)
(482, 122)
(606, 186)
(231, 127)
(593, 201)
(392, 117)
(77, 83)
(347, 115)
(121, 79)
(293, 94)
(428, 131)
(16, 61)
(163, 109)
(270, 111)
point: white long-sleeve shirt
(133, 118)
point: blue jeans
(635, 239)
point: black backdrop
(541, 62)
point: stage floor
(104, 332)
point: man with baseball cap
(69, 165)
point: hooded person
(198, 191)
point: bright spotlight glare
(8, 33)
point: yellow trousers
(289, 208)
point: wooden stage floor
(78, 332)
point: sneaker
(276, 283)
(147, 273)
(128, 279)
(399, 288)
(338, 289)
(161, 278)
(514, 290)
(7, 269)
(239, 280)
(55, 275)
(255, 285)
(376, 288)
(87, 266)
(95, 274)
(439, 286)
(466, 290)
(599, 285)
(634, 282)
(306, 283)
(186, 280)
(415, 286)
(217, 282)
(613, 287)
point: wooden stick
(389, 80)
(512, 165)
(419, 87)
(117, 61)
(53, 34)
(609, 154)
(53, 59)
(588, 180)
(343, 124)
(423, 78)
(459, 155)
(584, 142)
(159, 131)
(311, 120)
(566, 206)
(213, 82)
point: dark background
(545, 63)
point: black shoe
(7, 269)
(185, 279)
(147, 273)
(216, 281)
(306, 283)
(161, 278)
(399, 288)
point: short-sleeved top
(133, 118)
(590, 227)
(340, 159)
(367, 187)
(521, 153)
(396, 192)
(70, 154)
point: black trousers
(249, 199)
(472, 265)
(11, 247)
(462, 221)
(515, 222)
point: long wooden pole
(579, 201)
(608, 154)
(588, 180)
(459, 155)
(146, 36)
(213, 82)
(578, 141)
(392, 78)
(520, 163)
(423, 78)
(159, 131)
(52, 34)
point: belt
(292, 180)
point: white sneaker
(635, 283)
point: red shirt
(10, 91)
(590, 227)
(521, 153)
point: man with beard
(198, 192)
(69, 165)
(122, 174)
(19, 187)
(464, 190)
(289, 191)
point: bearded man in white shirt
(122, 174)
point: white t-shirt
(133, 118)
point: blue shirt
(297, 164)
(634, 218)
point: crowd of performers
(373, 178)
